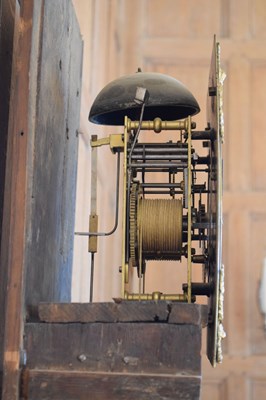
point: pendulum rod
(93, 223)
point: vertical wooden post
(39, 204)
(15, 203)
(7, 28)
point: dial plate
(215, 122)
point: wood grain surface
(62, 385)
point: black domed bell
(168, 99)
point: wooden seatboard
(124, 311)
(149, 348)
(121, 350)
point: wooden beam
(119, 347)
(39, 203)
(123, 350)
(15, 201)
(67, 385)
(7, 27)
(53, 114)
(124, 311)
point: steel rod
(161, 149)
(174, 145)
(92, 277)
(162, 192)
(161, 185)
(157, 169)
(159, 157)
(157, 165)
